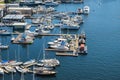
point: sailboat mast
(3, 77)
(12, 75)
(7, 55)
(28, 51)
(33, 73)
(43, 49)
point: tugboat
(82, 48)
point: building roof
(19, 8)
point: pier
(66, 54)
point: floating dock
(62, 50)
(66, 54)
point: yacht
(86, 9)
(15, 63)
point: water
(102, 27)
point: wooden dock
(66, 54)
(49, 34)
(61, 50)
(54, 34)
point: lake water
(102, 27)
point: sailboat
(10, 68)
(49, 62)
(47, 68)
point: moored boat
(45, 73)
(29, 62)
(3, 46)
(4, 32)
(1, 71)
(82, 47)
(86, 9)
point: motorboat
(79, 11)
(50, 3)
(12, 39)
(4, 32)
(4, 46)
(86, 9)
(45, 73)
(78, 1)
(1, 71)
(36, 20)
(49, 27)
(78, 19)
(71, 26)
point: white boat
(42, 68)
(57, 41)
(1, 71)
(79, 11)
(50, 9)
(59, 47)
(52, 61)
(9, 68)
(39, 31)
(78, 19)
(49, 26)
(15, 63)
(3, 46)
(50, 3)
(86, 9)
(29, 62)
(36, 20)
(12, 39)
(4, 32)
(21, 70)
(45, 73)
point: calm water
(102, 27)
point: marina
(59, 40)
(38, 21)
